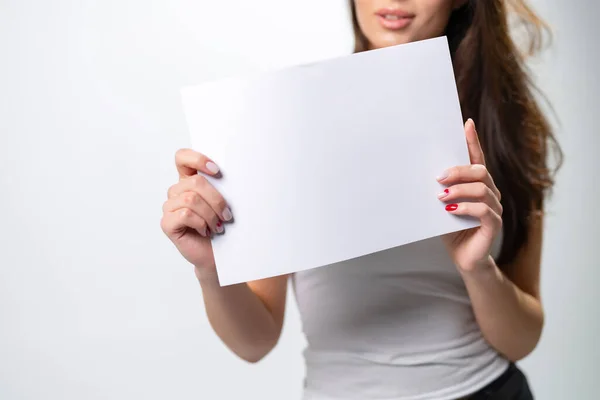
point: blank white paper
(330, 161)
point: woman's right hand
(194, 210)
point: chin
(390, 40)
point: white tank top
(394, 325)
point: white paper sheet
(330, 161)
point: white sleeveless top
(394, 325)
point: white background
(96, 304)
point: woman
(444, 318)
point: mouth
(394, 19)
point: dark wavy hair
(496, 90)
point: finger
(201, 185)
(473, 144)
(198, 205)
(176, 222)
(189, 162)
(472, 192)
(469, 173)
(491, 222)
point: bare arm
(248, 317)
(507, 305)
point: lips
(394, 19)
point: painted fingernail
(227, 214)
(212, 167)
(451, 207)
(219, 227)
(443, 176)
(443, 194)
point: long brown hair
(496, 90)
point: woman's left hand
(470, 190)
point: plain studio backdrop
(95, 303)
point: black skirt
(511, 385)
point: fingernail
(212, 167)
(443, 194)
(451, 207)
(443, 176)
(470, 121)
(227, 214)
(219, 227)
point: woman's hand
(470, 190)
(194, 210)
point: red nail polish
(451, 207)
(219, 224)
(446, 191)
